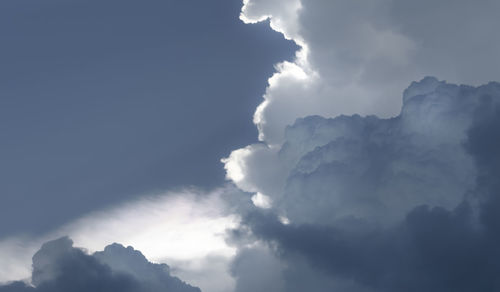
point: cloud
(369, 167)
(450, 256)
(185, 228)
(390, 193)
(267, 277)
(58, 266)
(357, 56)
(404, 203)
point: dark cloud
(58, 266)
(432, 250)
(433, 169)
(249, 279)
(484, 145)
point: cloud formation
(372, 192)
(58, 266)
(357, 56)
(404, 203)
(332, 168)
(166, 227)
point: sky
(256, 145)
(101, 101)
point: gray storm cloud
(371, 192)
(58, 266)
(365, 191)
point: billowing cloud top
(381, 168)
(407, 203)
(58, 266)
(357, 56)
(366, 191)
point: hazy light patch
(262, 201)
(168, 226)
(15, 255)
(284, 220)
(185, 227)
(204, 271)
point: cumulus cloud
(58, 266)
(357, 56)
(404, 203)
(354, 189)
(430, 249)
(185, 228)
(370, 191)
(352, 166)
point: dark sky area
(104, 100)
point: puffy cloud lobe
(256, 168)
(381, 168)
(283, 13)
(376, 203)
(58, 266)
(165, 227)
(368, 167)
(432, 249)
(408, 203)
(357, 56)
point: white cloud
(358, 56)
(367, 167)
(282, 13)
(262, 201)
(256, 168)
